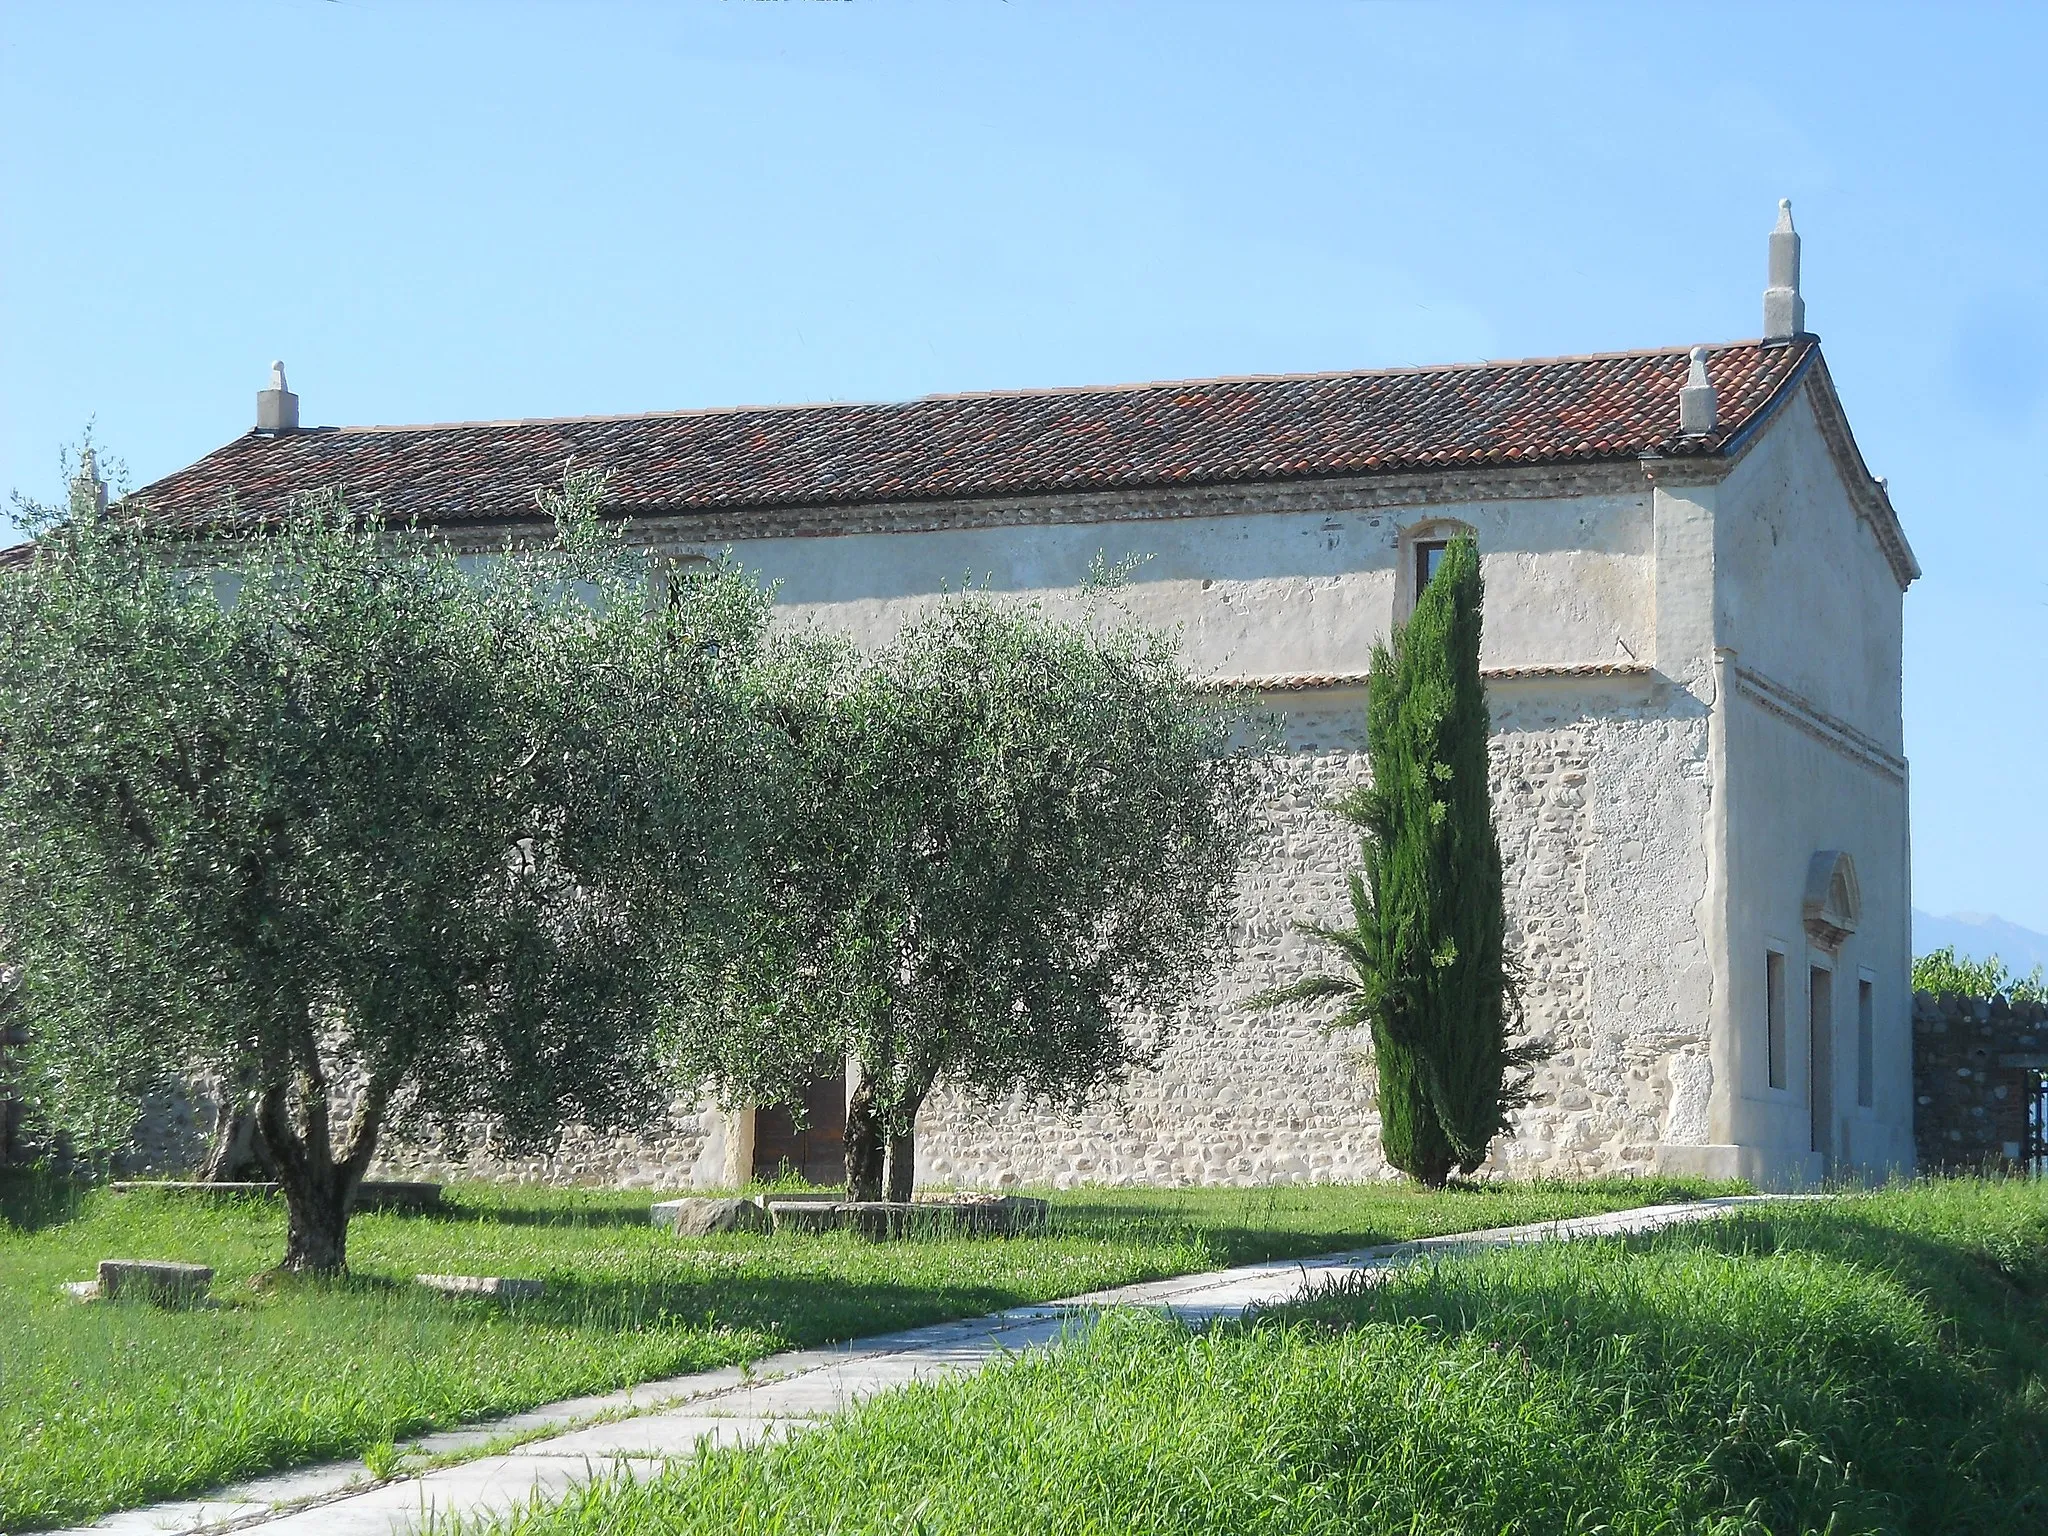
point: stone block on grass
(703, 1215)
(397, 1195)
(871, 1218)
(503, 1287)
(154, 1280)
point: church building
(1694, 595)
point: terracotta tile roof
(944, 447)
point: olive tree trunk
(902, 1164)
(903, 1140)
(865, 1147)
(319, 1187)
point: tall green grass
(108, 1406)
(1876, 1365)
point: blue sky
(447, 211)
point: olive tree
(1017, 839)
(329, 812)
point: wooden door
(816, 1153)
(1820, 1084)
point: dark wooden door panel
(816, 1152)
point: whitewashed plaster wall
(1795, 794)
(1809, 623)
(1601, 793)
(1254, 590)
(1804, 592)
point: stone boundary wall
(1973, 1065)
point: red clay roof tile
(943, 447)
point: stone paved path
(569, 1442)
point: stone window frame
(664, 571)
(1426, 531)
(1777, 1010)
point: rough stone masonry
(1978, 1064)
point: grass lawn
(111, 1405)
(1876, 1364)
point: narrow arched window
(1429, 554)
(1422, 552)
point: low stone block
(503, 1287)
(703, 1215)
(153, 1280)
(809, 1215)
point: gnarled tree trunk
(865, 1147)
(902, 1164)
(319, 1188)
(903, 1139)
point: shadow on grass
(34, 1198)
(454, 1209)
(1263, 1229)
(798, 1310)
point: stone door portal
(1820, 1023)
(817, 1152)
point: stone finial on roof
(88, 490)
(277, 408)
(1696, 404)
(1784, 309)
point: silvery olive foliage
(330, 811)
(1015, 839)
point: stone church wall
(1600, 793)
(1258, 1098)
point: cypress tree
(1426, 945)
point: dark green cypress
(1433, 871)
(1431, 977)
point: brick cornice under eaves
(1310, 682)
(1351, 493)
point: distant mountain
(1978, 936)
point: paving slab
(643, 1428)
(662, 1435)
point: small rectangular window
(1774, 1015)
(1866, 1046)
(1429, 554)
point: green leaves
(1943, 970)
(1013, 832)
(338, 807)
(333, 811)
